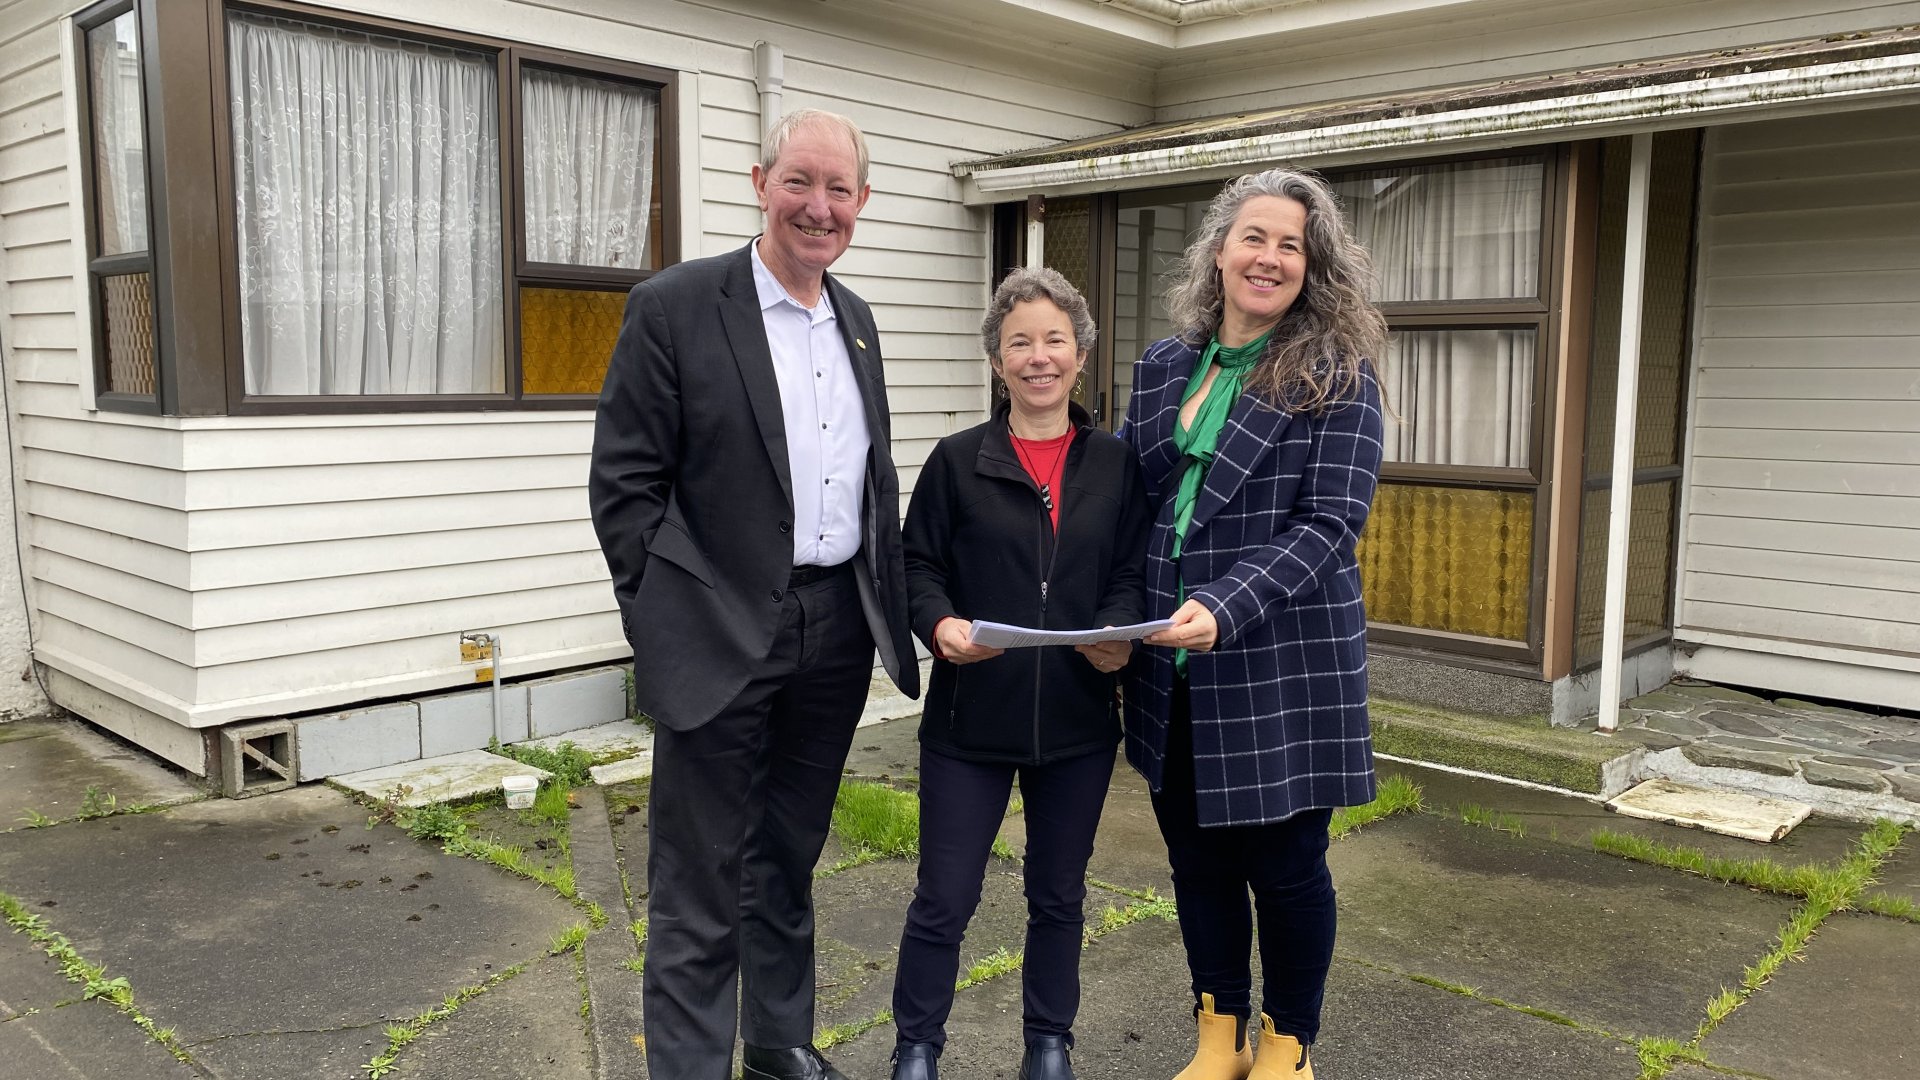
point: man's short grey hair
(1043, 283)
(799, 119)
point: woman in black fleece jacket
(1035, 518)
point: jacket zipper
(1047, 555)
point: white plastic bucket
(520, 791)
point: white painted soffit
(1741, 95)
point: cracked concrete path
(281, 936)
(278, 934)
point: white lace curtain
(1455, 232)
(366, 173)
(588, 175)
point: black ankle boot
(1047, 1059)
(916, 1061)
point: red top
(1046, 461)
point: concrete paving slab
(1128, 850)
(619, 737)
(330, 1054)
(1573, 822)
(624, 771)
(860, 912)
(1538, 924)
(1816, 1020)
(47, 765)
(1729, 813)
(447, 778)
(281, 913)
(528, 1026)
(886, 752)
(46, 1031)
(1134, 1023)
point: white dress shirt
(826, 419)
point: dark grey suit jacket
(692, 497)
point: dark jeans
(1283, 863)
(737, 816)
(961, 806)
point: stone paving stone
(46, 767)
(1905, 784)
(1807, 1023)
(1736, 723)
(1726, 757)
(1478, 908)
(47, 1031)
(1134, 1023)
(1573, 822)
(528, 1026)
(1902, 750)
(281, 913)
(1842, 776)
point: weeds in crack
(830, 1037)
(1827, 891)
(1148, 906)
(991, 966)
(401, 1034)
(1498, 821)
(93, 978)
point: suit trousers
(961, 806)
(737, 816)
(1283, 863)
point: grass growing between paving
(875, 822)
(1396, 795)
(473, 828)
(401, 1035)
(1828, 890)
(96, 802)
(93, 980)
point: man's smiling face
(810, 197)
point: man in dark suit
(745, 497)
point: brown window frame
(193, 239)
(101, 267)
(1540, 312)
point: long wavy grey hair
(1313, 359)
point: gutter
(1177, 14)
(1872, 80)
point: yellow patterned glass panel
(1452, 559)
(126, 312)
(566, 337)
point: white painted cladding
(1803, 502)
(207, 570)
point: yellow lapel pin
(860, 342)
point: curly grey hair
(1043, 283)
(784, 129)
(1313, 360)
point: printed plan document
(1001, 636)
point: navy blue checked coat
(1280, 702)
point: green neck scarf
(1199, 441)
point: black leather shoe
(1046, 1059)
(916, 1061)
(794, 1063)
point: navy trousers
(1282, 864)
(961, 806)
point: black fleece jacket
(981, 545)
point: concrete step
(1520, 749)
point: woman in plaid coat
(1258, 428)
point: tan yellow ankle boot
(1281, 1056)
(1224, 1052)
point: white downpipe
(1625, 414)
(769, 77)
(1036, 232)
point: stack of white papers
(1001, 636)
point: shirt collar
(772, 293)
